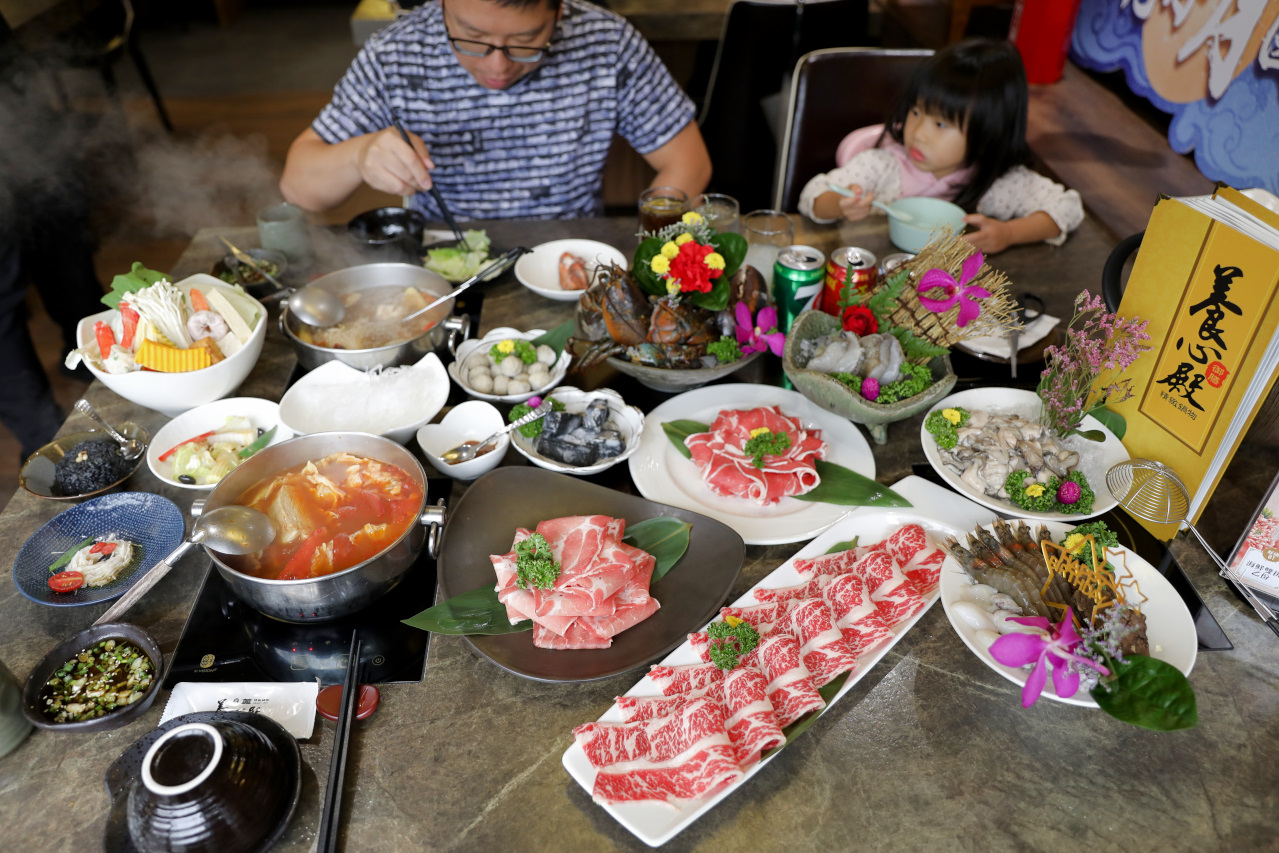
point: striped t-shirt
(533, 150)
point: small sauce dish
(473, 420)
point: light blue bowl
(931, 217)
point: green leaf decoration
(733, 247)
(797, 728)
(716, 299)
(556, 338)
(479, 611)
(883, 301)
(131, 282)
(666, 538)
(1149, 693)
(847, 545)
(642, 272)
(1090, 434)
(914, 347)
(843, 487)
(57, 564)
(1111, 420)
(677, 431)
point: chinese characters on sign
(1187, 378)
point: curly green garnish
(1042, 497)
(513, 346)
(764, 442)
(731, 640)
(944, 425)
(535, 564)
(725, 349)
(534, 429)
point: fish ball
(482, 382)
(479, 361)
(512, 366)
(972, 615)
(518, 386)
(501, 384)
(546, 355)
(538, 378)
(476, 373)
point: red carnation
(689, 267)
(859, 320)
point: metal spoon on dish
(467, 451)
(130, 448)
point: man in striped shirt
(510, 105)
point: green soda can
(798, 276)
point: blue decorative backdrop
(1235, 138)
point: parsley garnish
(536, 565)
(525, 350)
(730, 641)
(766, 444)
(725, 350)
(534, 429)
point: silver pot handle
(459, 330)
(434, 517)
(197, 507)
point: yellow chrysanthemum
(1074, 541)
(672, 286)
(733, 621)
(660, 264)
(715, 261)
(683, 238)
(1035, 490)
(760, 431)
(691, 218)
(507, 347)
(951, 415)
(670, 250)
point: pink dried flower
(870, 388)
(1069, 492)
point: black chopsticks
(329, 817)
(435, 192)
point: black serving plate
(126, 772)
(483, 522)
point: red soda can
(846, 261)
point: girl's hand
(855, 207)
(388, 164)
(992, 235)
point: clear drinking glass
(661, 206)
(767, 232)
(722, 211)
(283, 227)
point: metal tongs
(466, 452)
(249, 261)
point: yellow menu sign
(1228, 293)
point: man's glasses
(480, 49)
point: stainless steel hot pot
(451, 332)
(341, 593)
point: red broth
(329, 515)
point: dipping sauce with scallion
(100, 679)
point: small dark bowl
(253, 282)
(36, 475)
(391, 230)
(210, 786)
(63, 653)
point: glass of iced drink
(661, 206)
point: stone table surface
(930, 750)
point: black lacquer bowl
(224, 782)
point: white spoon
(895, 214)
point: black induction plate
(484, 522)
(126, 771)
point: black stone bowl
(218, 785)
(64, 651)
(37, 472)
(394, 231)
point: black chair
(1112, 281)
(835, 92)
(758, 48)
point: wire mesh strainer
(1151, 491)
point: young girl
(959, 133)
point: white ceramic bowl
(330, 399)
(175, 393)
(263, 414)
(558, 370)
(539, 270)
(629, 420)
(473, 420)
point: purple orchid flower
(761, 333)
(960, 292)
(1056, 649)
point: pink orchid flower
(1056, 649)
(955, 291)
(760, 334)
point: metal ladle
(321, 308)
(130, 448)
(1151, 491)
(227, 530)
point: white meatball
(500, 384)
(546, 355)
(512, 366)
(479, 361)
(538, 378)
(476, 374)
(518, 386)
(482, 382)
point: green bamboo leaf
(1111, 420)
(1149, 693)
(797, 728)
(556, 338)
(666, 538)
(1089, 434)
(67, 555)
(843, 487)
(677, 431)
(474, 612)
(843, 546)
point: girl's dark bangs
(948, 101)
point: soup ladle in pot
(228, 530)
(321, 308)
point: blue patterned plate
(152, 523)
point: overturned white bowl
(263, 414)
(174, 393)
(629, 420)
(473, 420)
(467, 348)
(331, 399)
